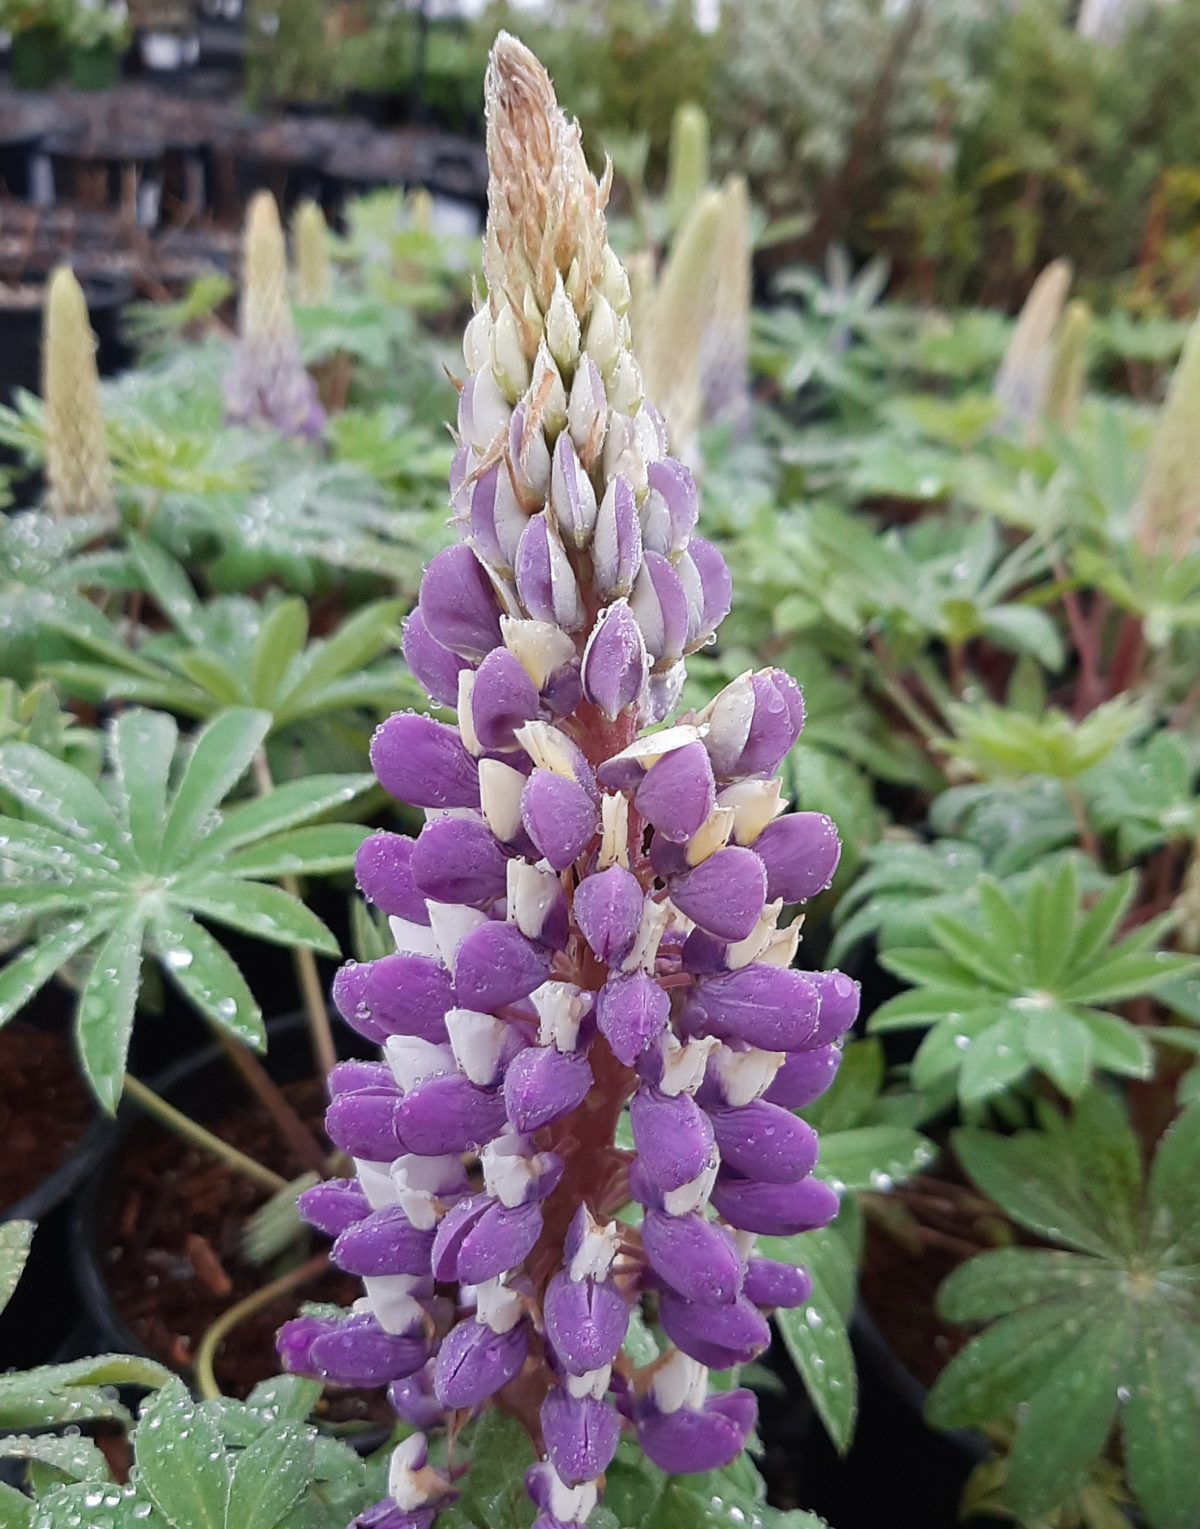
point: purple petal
(383, 869)
(294, 1341)
(804, 1076)
(504, 698)
(358, 1352)
(617, 542)
(632, 1012)
(839, 1006)
(678, 793)
(774, 1284)
(546, 581)
(542, 1085)
(413, 1401)
(383, 1243)
(496, 965)
(333, 1206)
(717, 1336)
(775, 1210)
(350, 999)
(456, 860)
(699, 1439)
(559, 816)
(581, 1435)
(673, 1138)
(366, 1125)
(672, 493)
(763, 1141)
(714, 591)
(452, 1231)
(424, 763)
(448, 1114)
(725, 894)
(767, 1006)
(660, 607)
(360, 1076)
(586, 1321)
(608, 910)
(474, 1363)
(615, 662)
(800, 853)
(695, 1257)
(572, 497)
(434, 666)
(458, 605)
(409, 995)
(502, 1239)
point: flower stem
(206, 1380)
(305, 962)
(191, 1130)
(300, 1140)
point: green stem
(206, 1379)
(183, 1125)
(305, 962)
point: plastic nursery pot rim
(98, 1303)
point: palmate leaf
(1104, 1328)
(16, 1238)
(122, 882)
(1026, 986)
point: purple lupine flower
(267, 384)
(588, 924)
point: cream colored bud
(78, 475)
(562, 330)
(477, 340)
(509, 363)
(603, 339)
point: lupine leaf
(280, 641)
(494, 1494)
(222, 755)
(15, 1508)
(1060, 1044)
(270, 1475)
(208, 975)
(1173, 1200)
(815, 1334)
(16, 1238)
(142, 748)
(267, 912)
(1008, 1279)
(72, 1456)
(59, 795)
(73, 1393)
(994, 1059)
(109, 1507)
(106, 1006)
(29, 972)
(358, 640)
(286, 807)
(320, 850)
(182, 1465)
(1019, 1175)
(873, 1157)
(1162, 1421)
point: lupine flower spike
(78, 475)
(310, 248)
(587, 924)
(267, 384)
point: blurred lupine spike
(687, 162)
(1167, 514)
(78, 474)
(584, 926)
(1068, 365)
(267, 384)
(725, 348)
(311, 255)
(1021, 381)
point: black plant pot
(198, 1084)
(37, 1324)
(289, 178)
(125, 173)
(16, 163)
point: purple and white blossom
(588, 927)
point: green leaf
(1000, 1369)
(270, 1476)
(989, 961)
(873, 1157)
(73, 1393)
(355, 643)
(1162, 1422)
(1098, 927)
(1117, 1046)
(1173, 1198)
(1019, 1174)
(170, 586)
(108, 1507)
(142, 747)
(29, 972)
(266, 912)
(222, 755)
(1064, 1424)
(1008, 1279)
(205, 973)
(15, 1508)
(182, 1465)
(317, 851)
(216, 680)
(815, 1334)
(286, 807)
(16, 1238)
(1060, 1045)
(105, 1016)
(74, 1457)
(994, 1059)
(494, 1495)
(280, 640)
(853, 1091)
(287, 1398)
(59, 795)
(1050, 905)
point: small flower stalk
(267, 385)
(587, 927)
(78, 473)
(313, 265)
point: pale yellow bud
(1068, 365)
(687, 163)
(1021, 381)
(1168, 509)
(78, 475)
(310, 247)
